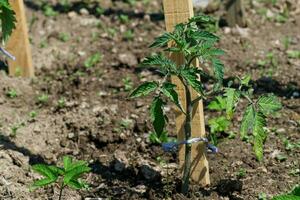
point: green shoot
(68, 175)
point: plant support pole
(18, 44)
(178, 11)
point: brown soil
(100, 125)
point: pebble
(128, 59)
(71, 135)
(72, 14)
(121, 162)
(84, 11)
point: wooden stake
(235, 13)
(18, 44)
(178, 11)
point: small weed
(241, 173)
(293, 54)
(61, 103)
(128, 83)
(43, 99)
(14, 129)
(68, 175)
(93, 60)
(12, 93)
(49, 11)
(128, 35)
(33, 114)
(124, 19)
(64, 37)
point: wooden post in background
(178, 11)
(18, 44)
(235, 13)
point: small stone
(139, 104)
(37, 129)
(71, 135)
(72, 14)
(121, 162)
(84, 11)
(128, 59)
(149, 173)
(227, 30)
(139, 140)
(140, 189)
(281, 131)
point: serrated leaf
(218, 104)
(67, 160)
(204, 36)
(245, 80)
(269, 104)
(41, 183)
(296, 191)
(144, 89)
(45, 171)
(75, 173)
(192, 78)
(218, 68)
(232, 97)
(202, 19)
(8, 19)
(168, 89)
(56, 170)
(75, 184)
(162, 40)
(157, 115)
(247, 121)
(286, 197)
(216, 52)
(259, 134)
(159, 60)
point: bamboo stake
(18, 44)
(178, 11)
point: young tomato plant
(191, 41)
(66, 176)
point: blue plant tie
(173, 146)
(7, 53)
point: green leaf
(286, 197)
(45, 171)
(204, 36)
(67, 160)
(269, 104)
(75, 173)
(202, 19)
(162, 40)
(296, 191)
(245, 80)
(93, 60)
(247, 121)
(168, 89)
(8, 19)
(77, 184)
(192, 78)
(218, 68)
(259, 134)
(218, 104)
(41, 183)
(219, 124)
(160, 61)
(157, 115)
(56, 170)
(144, 89)
(232, 98)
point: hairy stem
(188, 147)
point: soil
(99, 124)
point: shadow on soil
(94, 9)
(6, 143)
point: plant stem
(188, 147)
(61, 190)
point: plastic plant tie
(6, 53)
(173, 146)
